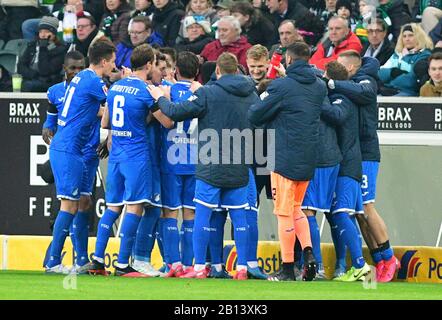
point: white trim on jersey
(243, 206)
(315, 209)
(205, 203)
(61, 196)
(349, 211)
(172, 208)
(189, 207)
(369, 201)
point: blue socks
(353, 219)
(61, 231)
(316, 238)
(201, 232)
(240, 233)
(81, 236)
(186, 242)
(171, 240)
(145, 238)
(376, 255)
(386, 250)
(216, 243)
(104, 230)
(350, 235)
(338, 242)
(161, 241)
(252, 239)
(127, 236)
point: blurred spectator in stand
(166, 20)
(5, 80)
(12, 15)
(420, 6)
(196, 35)
(294, 10)
(261, 6)
(256, 28)
(115, 20)
(329, 11)
(433, 87)
(140, 31)
(344, 9)
(230, 40)
(398, 12)
(340, 39)
(86, 34)
(143, 8)
(288, 35)
(378, 45)
(369, 11)
(397, 74)
(430, 18)
(41, 64)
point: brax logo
(394, 114)
(24, 112)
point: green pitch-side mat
(37, 285)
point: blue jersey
(56, 95)
(179, 144)
(129, 103)
(77, 118)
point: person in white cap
(196, 35)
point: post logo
(410, 265)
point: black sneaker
(129, 272)
(282, 275)
(309, 272)
(95, 268)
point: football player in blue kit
(79, 229)
(76, 122)
(150, 227)
(348, 199)
(220, 106)
(178, 159)
(129, 178)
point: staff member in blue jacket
(292, 109)
(219, 107)
(362, 89)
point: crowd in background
(402, 38)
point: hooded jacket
(221, 105)
(293, 109)
(361, 89)
(167, 22)
(344, 115)
(397, 10)
(239, 48)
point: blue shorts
(214, 197)
(347, 196)
(369, 175)
(68, 172)
(252, 195)
(89, 172)
(319, 194)
(156, 186)
(178, 191)
(128, 183)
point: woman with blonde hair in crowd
(398, 74)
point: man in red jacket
(229, 40)
(340, 39)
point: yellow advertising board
(418, 264)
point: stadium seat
(17, 46)
(9, 61)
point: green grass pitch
(37, 285)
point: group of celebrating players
(326, 159)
